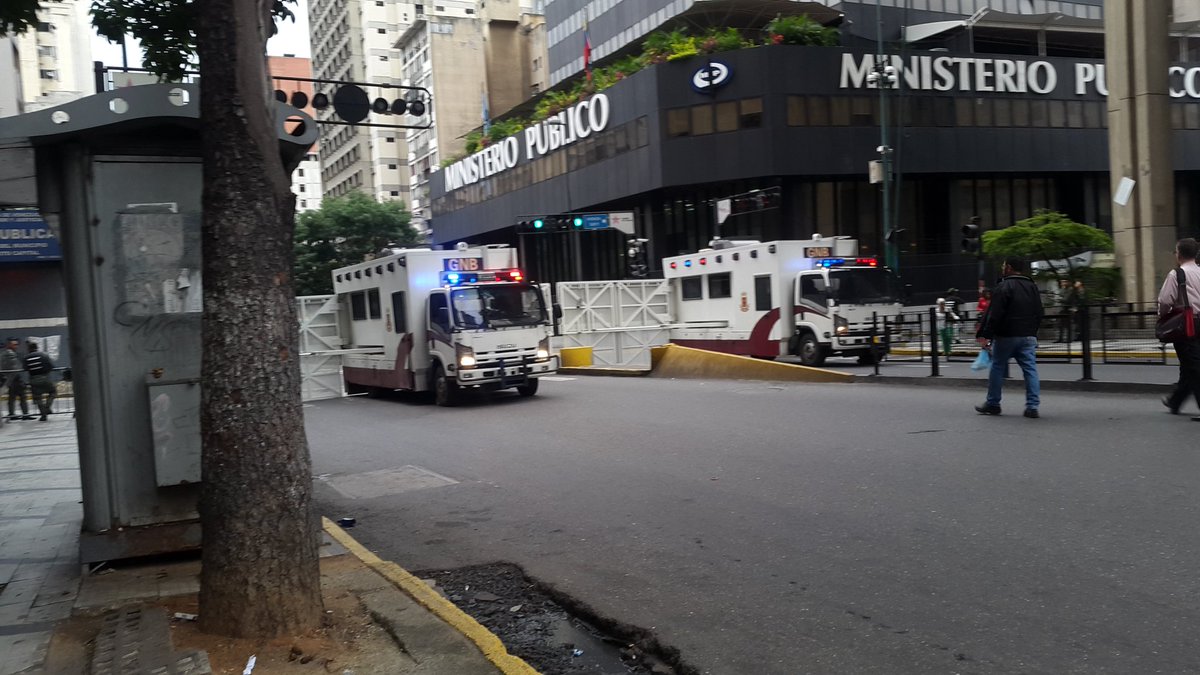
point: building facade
(11, 100)
(306, 179)
(997, 114)
(354, 40)
(56, 58)
(476, 59)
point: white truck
(443, 321)
(729, 297)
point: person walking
(945, 318)
(954, 303)
(1060, 300)
(39, 366)
(10, 370)
(1009, 331)
(1188, 349)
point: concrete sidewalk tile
(51, 612)
(20, 592)
(21, 652)
(12, 614)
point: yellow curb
(688, 362)
(491, 646)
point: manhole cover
(383, 482)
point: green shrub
(800, 30)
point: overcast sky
(292, 39)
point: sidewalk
(56, 617)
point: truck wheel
(529, 388)
(445, 392)
(811, 352)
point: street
(790, 528)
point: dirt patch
(552, 632)
(348, 640)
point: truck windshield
(863, 285)
(498, 306)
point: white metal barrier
(320, 347)
(619, 320)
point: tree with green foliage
(344, 231)
(1052, 236)
(260, 576)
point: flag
(587, 52)
(487, 118)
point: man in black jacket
(1009, 331)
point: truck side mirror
(557, 311)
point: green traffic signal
(578, 222)
(539, 224)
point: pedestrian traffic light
(970, 232)
(577, 222)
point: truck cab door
(812, 294)
(438, 329)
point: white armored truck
(811, 298)
(443, 321)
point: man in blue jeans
(1009, 331)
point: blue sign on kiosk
(595, 221)
(25, 237)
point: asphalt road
(790, 528)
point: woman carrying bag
(1176, 323)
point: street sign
(25, 237)
(622, 220)
(595, 221)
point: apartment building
(55, 58)
(306, 179)
(477, 59)
(354, 40)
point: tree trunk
(260, 575)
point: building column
(1139, 137)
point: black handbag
(1180, 323)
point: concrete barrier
(686, 362)
(575, 357)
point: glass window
(702, 119)
(812, 290)
(399, 316)
(762, 293)
(964, 112)
(818, 111)
(1058, 114)
(1020, 112)
(839, 111)
(719, 285)
(1039, 113)
(1191, 116)
(373, 302)
(677, 123)
(692, 288)
(1075, 114)
(358, 306)
(943, 111)
(751, 113)
(983, 112)
(439, 312)
(861, 112)
(1002, 108)
(1093, 114)
(797, 112)
(727, 116)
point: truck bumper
(859, 342)
(506, 374)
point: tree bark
(260, 575)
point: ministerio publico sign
(557, 131)
(1015, 76)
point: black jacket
(1016, 309)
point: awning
(989, 18)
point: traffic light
(532, 225)
(577, 222)
(970, 232)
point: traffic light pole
(884, 75)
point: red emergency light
(674, 265)
(870, 262)
(704, 261)
(516, 275)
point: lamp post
(883, 77)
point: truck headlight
(543, 350)
(840, 325)
(465, 356)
